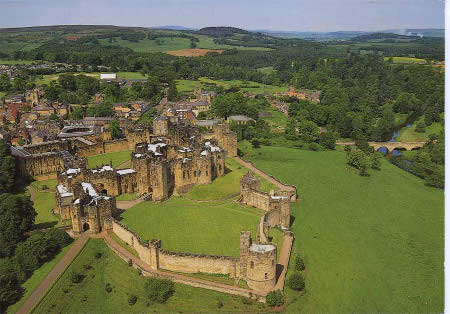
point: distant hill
(174, 27)
(67, 28)
(377, 36)
(427, 32)
(221, 31)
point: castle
(168, 161)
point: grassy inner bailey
(370, 244)
(225, 186)
(195, 227)
(90, 296)
(43, 203)
(117, 159)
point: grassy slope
(38, 275)
(117, 158)
(410, 135)
(371, 244)
(90, 295)
(189, 226)
(277, 119)
(225, 186)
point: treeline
(20, 252)
(363, 96)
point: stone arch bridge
(389, 145)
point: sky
(291, 15)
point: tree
(406, 102)
(7, 168)
(275, 298)
(159, 290)
(375, 159)
(172, 93)
(420, 127)
(359, 160)
(77, 114)
(291, 128)
(114, 127)
(5, 84)
(308, 130)
(255, 143)
(10, 290)
(299, 264)
(16, 217)
(296, 282)
(328, 140)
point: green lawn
(117, 158)
(51, 184)
(225, 186)
(410, 135)
(155, 45)
(90, 296)
(186, 86)
(44, 202)
(254, 87)
(370, 244)
(277, 119)
(38, 275)
(189, 226)
(126, 197)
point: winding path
(53, 275)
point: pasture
(370, 244)
(409, 134)
(90, 295)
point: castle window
(265, 276)
(206, 172)
(252, 264)
(184, 174)
(273, 262)
(195, 173)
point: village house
(239, 119)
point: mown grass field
(43, 203)
(406, 60)
(46, 79)
(50, 184)
(117, 158)
(254, 87)
(189, 226)
(90, 296)
(38, 275)
(408, 134)
(370, 244)
(225, 186)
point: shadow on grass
(278, 271)
(227, 170)
(45, 225)
(292, 218)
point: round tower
(261, 267)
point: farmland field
(191, 52)
(90, 296)
(370, 244)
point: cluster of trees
(73, 89)
(363, 158)
(428, 163)
(20, 254)
(362, 96)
